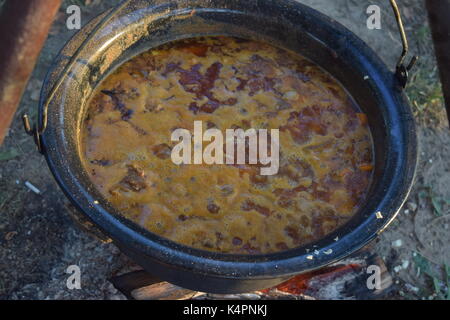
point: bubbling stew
(325, 146)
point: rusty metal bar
(24, 26)
(438, 16)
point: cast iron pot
(140, 25)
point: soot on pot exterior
(142, 25)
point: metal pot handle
(401, 70)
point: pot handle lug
(34, 132)
(402, 70)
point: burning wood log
(348, 279)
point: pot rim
(401, 131)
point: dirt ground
(38, 239)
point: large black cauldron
(141, 25)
